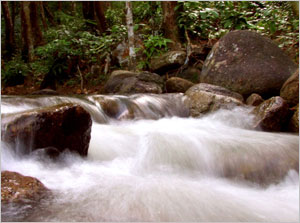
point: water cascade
(149, 161)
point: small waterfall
(149, 161)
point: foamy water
(170, 169)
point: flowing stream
(149, 161)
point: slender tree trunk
(34, 20)
(73, 8)
(100, 13)
(88, 10)
(129, 21)
(13, 12)
(169, 25)
(41, 7)
(9, 30)
(27, 38)
(59, 6)
(48, 13)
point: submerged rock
(290, 89)
(246, 62)
(203, 98)
(126, 82)
(17, 188)
(178, 85)
(64, 126)
(45, 92)
(272, 114)
(21, 196)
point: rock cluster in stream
(242, 65)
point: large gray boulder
(126, 82)
(203, 98)
(290, 89)
(168, 61)
(60, 127)
(246, 62)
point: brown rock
(294, 121)
(290, 89)
(203, 98)
(254, 100)
(61, 126)
(271, 115)
(177, 84)
(246, 62)
(125, 82)
(18, 188)
(168, 61)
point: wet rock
(254, 100)
(110, 106)
(177, 84)
(269, 167)
(290, 89)
(17, 188)
(294, 121)
(45, 92)
(191, 73)
(65, 126)
(48, 153)
(272, 114)
(246, 62)
(168, 61)
(125, 82)
(203, 98)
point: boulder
(65, 126)
(203, 98)
(254, 100)
(294, 121)
(177, 84)
(126, 82)
(290, 89)
(246, 62)
(168, 61)
(271, 115)
(191, 73)
(17, 188)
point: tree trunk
(13, 12)
(34, 20)
(88, 11)
(129, 22)
(59, 5)
(48, 13)
(9, 30)
(169, 25)
(73, 8)
(100, 13)
(27, 38)
(41, 7)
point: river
(162, 166)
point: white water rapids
(164, 168)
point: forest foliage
(74, 40)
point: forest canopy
(84, 41)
